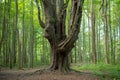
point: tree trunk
(94, 58)
(31, 46)
(2, 38)
(9, 35)
(114, 47)
(104, 18)
(75, 52)
(84, 41)
(55, 28)
(59, 61)
(19, 51)
(79, 49)
(3, 41)
(24, 39)
(111, 36)
(99, 47)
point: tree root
(51, 70)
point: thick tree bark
(60, 44)
(59, 62)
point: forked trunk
(55, 18)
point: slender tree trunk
(79, 49)
(9, 37)
(99, 47)
(114, 47)
(75, 53)
(104, 18)
(89, 40)
(14, 50)
(24, 40)
(94, 58)
(111, 37)
(36, 50)
(84, 42)
(1, 32)
(3, 39)
(17, 35)
(31, 46)
(14, 42)
(19, 51)
(14, 39)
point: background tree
(104, 18)
(93, 32)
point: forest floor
(29, 74)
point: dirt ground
(29, 74)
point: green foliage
(100, 69)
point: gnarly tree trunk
(55, 26)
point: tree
(24, 40)
(93, 33)
(17, 35)
(55, 17)
(104, 18)
(79, 49)
(31, 44)
(9, 34)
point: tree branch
(74, 25)
(50, 17)
(39, 18)
(62, 11)
(61, 18)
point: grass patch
(108, 70)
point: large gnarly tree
(55, 17)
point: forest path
(28, 74)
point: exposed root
(52, 70)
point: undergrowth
(105, 70)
